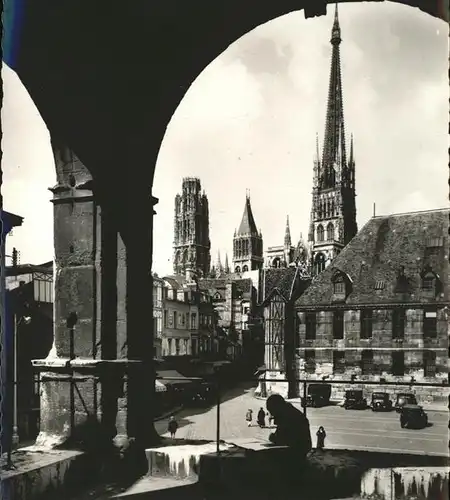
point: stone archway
(94, 89)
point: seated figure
(292, 425)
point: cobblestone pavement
(364, 430)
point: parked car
(354, 400)
(381, 402)
(318, 395)
(404, 398)
(413, 417)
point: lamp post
(15, 428)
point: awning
(172, 377)
(160, 387)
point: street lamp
(15, 429)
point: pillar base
(84, 403)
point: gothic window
(310, 361)
(338, 325)
(366, 321)
(430, 323)
(237, 269)
(338, 361)
(319, 263)
(398, 363)
(320, 233)
(330, 232)
(366, 362)
(244, 268)
(398, 323)
(429, 363)
(310, 320)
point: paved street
(350, 429)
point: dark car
(404, 398)
(318, 395)
(381, 402)
(354, 400)
(413, 417)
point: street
(350, 429)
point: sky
(249, 121)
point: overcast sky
(250, 121)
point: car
(381, 402)
(413, 417)
(354, 400)
(318, 395)
(404, 398)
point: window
(429, 363)
(186, 296)
(366, 362)
(330, 232)
(310, 361)
(338, 361)
(430, 323)
(169, 347)
(398, 323)
(320, 233)
(338, 324)
(177, 347)
(165, 318)
(193, 321)
(310, 319)
(175, 324)
(380, 285)
(427, 282)
(366, 324)
(194, 347)
(244, 269)
(398, 363)
(183, 319)
(339, 287)
(319, 263)
(155, 328)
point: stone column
(135, 416)
(85, 241)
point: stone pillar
(75, 388)
(135, 415)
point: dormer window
(429, 282)
(342, 286)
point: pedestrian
(173, 426)
(261, 418)
(249, 417)
(321, 435)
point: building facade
(247, 243)
(380, 311)
(333, 211)
(188, 327)
(192, 246)
(158, 289)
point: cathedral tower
(247, 243)
(333, 212)
(191, 229)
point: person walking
(249, 417)
(172, 426)
(321, 435)
(261, 418)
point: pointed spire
(334, 139)
(287, 235)
(247, 225)
(219, 262)
(317, 148)
(351, 159)
(227, 266)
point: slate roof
(375, 255)
(176, 280)
(247, 225)
(286, 280)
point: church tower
(333, 212)
(247, 243)
(192, 247)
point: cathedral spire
(287, 235)
(227, 267)
(334, 139)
